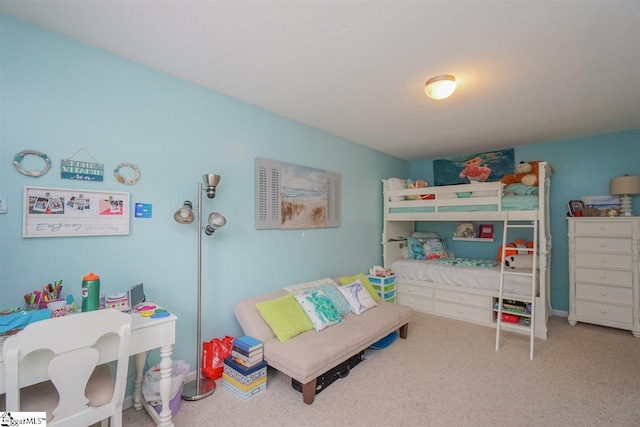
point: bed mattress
(486, 278)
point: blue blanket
(22, 318)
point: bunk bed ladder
(503, 272)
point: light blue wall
(58, 95)
(582, 167)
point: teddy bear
(420, 183)
(517, 247)
(519, 261)
(474, 171)
(527, 173)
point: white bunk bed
(452, 297)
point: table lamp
(625, 186)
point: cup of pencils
(40, 299)
(52, 292)
(35, 300)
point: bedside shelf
(473, 239)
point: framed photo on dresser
(576, 207)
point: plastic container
(174, 404)
(151, 385)
(90, 292)
(510, 318)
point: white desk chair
(67, 345)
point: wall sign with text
(60, 212)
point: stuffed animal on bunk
(517, 247)
(420, 183)
(519, 261)
(475, 172)
(527, 173)
(416, 249)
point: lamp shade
(185, 215)
(440, 87)
(215, 221)
(211, 181)
(625, 185)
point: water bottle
(90, 292)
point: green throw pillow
(365, 282)
(285, 317)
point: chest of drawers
(604, 284)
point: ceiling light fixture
(440, 87)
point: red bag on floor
(213, 354)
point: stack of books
(245, 371)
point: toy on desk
(159, 313)
(118, 301)
(72, 307)
(145, 310)
(152, 312)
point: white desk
(146, 334)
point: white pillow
(395, 184)
(358, 297)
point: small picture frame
(465, 229)
(576, 207)
(486, 231)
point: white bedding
(487, 278)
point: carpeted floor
(447, 373)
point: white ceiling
(528, 71)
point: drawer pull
(603, 244)
(603, 293)
(603, 311)
(603, 276)
(460, 311)
(603, 260)
(460, 298)
(602, 228)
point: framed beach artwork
(489, 166)
(291, 196)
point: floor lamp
(200, 387)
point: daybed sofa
(311, 354)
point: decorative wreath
(17, 160)
(121, 179)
